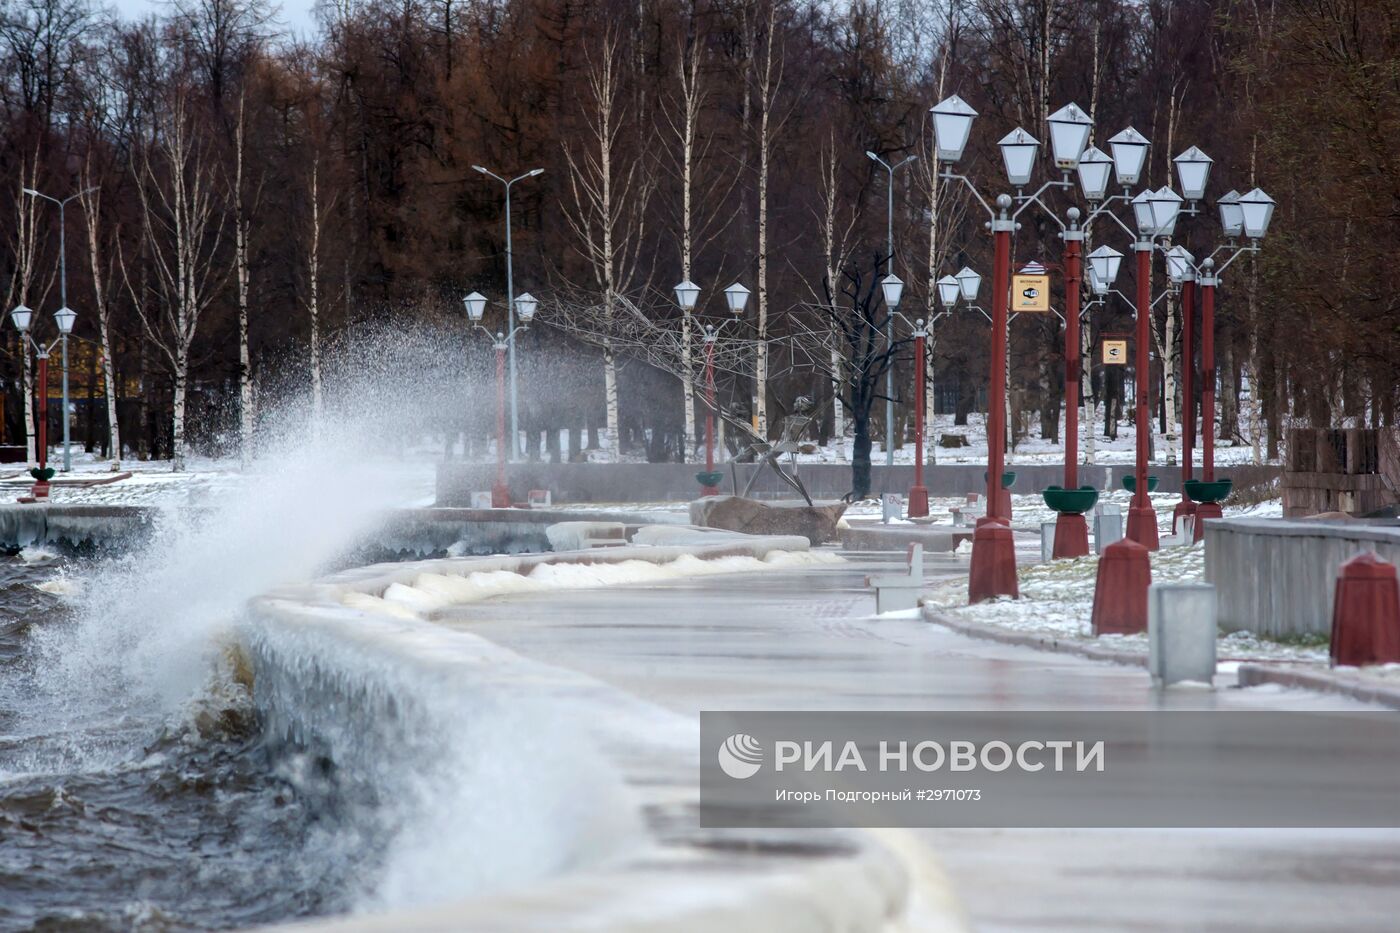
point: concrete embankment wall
(675, 482)
(404, 532)
(1277, 577)
(75, 527)
(364, 662)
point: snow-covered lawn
(1057, 598)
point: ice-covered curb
(418, 589)
(335, 658)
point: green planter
(1130, 483)
(1008, 479)
(1071, 501)
(1201, 491)
(713, 478)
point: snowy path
(804, 639)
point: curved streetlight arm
(1239, 251)
(1028, 199)
(503, 335)
(949, 175)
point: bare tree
(768, 80)
(320, 208)
(859, 317)
(183, 229)
(26, 283)
(99, 263)
(697, 226)
(242, 210)
(609, 192)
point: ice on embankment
(430, 592)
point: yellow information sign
(1030, 293)
(1115, 353)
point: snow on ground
(152, 483)
(1033, 449)
(1057, 598)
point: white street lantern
(687, 294)
(1103, 266)
(1129, 150)
(1093, 173)
(1097, 285)
(948, 291)
(525, 306)
(952, 125)
(1018, 149)
(1069, 133)
(65, 318)
(1166, 207)
(1142, 213)
(1256, 209)
(476, 306)
(22, 317)
(1181, 265)
(893, 287)
(1193, 171)
(738, 297)
(970, 283)
(1231, 217)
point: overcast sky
(295, 15)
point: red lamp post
(1071, 530)
(918, 493)
(1142, 517)
(500, 492)
(525, 306)
(1208, 282)
(22, 318)
(710, 489)
(993, 566)
(1182, 272)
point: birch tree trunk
(91, 203)
(691, 98)
(313, 302)
(770, 81)
(246, 411)
(609, 194)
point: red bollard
(1366, 613)
(1120, 590)
(993, 570)
(1071, 536)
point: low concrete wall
(75, 527)
(1276, 576)
(405, 532)
(675, 482)
(349, 663)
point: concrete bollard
(1047, 542)
(1366, 613)
(890, 507)
(1108, 526)
(1181, 632)
(1120, 590)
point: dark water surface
(127, 821)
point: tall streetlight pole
(22, 318)
(510, 307)
(889, 324)
(476, 307)
(64, 311)
(736, 297)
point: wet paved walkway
(805, 639)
